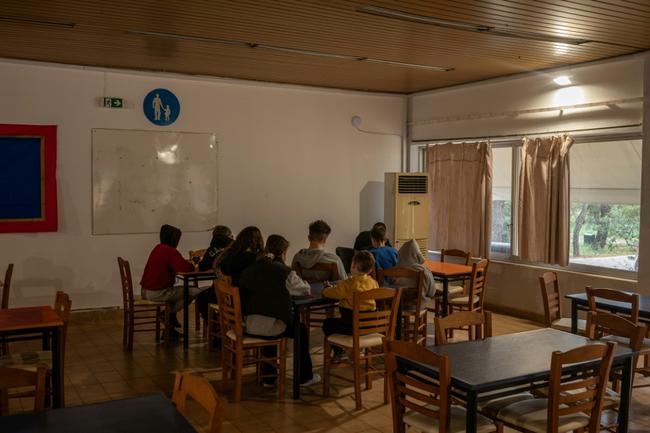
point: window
(605, 204)
(501, 201)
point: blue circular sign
(161, 107)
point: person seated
(265, 289)
(240, 254)
(221, 239)
(308, 257)
(159, 275)
(410, 257)
(385, 256)
(363, 242)
(363, 264)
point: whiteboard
(143, 179)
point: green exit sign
(113, 102)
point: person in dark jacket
(241, 253)
(363, 242)
(221, 239)
(159, 275)
(265, 289)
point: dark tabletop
(314, 299)
(152, 413)
(623, 307)
(486, 364)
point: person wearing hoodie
(308, 257)
(265, 289)
(221, 239)
(240, 254)
(410, 257)
(159, 275)
(363, 242)
(385, 256)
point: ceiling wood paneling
(102, 35)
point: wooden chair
(6, 286)
(195, 257)
(345, 254)
(369, 328)
(213, 325)
(414, 316)
(481, 321)
(32, 360)
(421, 402)
(475, 297)
(199, 389)
(318, 273)
(11, 378)
(234, 342)
(593, 294)
(574, 402)
(139, 313)
(552, 301)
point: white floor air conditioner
(406, 208)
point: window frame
(515, 143)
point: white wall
(514, 287)
(287, 156)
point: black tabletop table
(152, 413)
(300, 304)
(515, 361)
(579, 302)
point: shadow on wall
(371, 204)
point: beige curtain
(544, 200)
(460, 180)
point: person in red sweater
(160, 272)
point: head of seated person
(170, 235)
(221, 237)
(318, 233)
(378, 236)
(363, 263)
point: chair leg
(356, 365)
(282, 369)
(368, 369)
(239, 369)
(208, 328)
(157, 324)
(197, 318)
(225, 365)
(326, 368)
(125, 329)
(167, 324)
(129, 342)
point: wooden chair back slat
(480, 320)
(381, 321)
(594, 382)
(551, 300)
(601, 323)
(614, 295)
(127, 284)
(20, 378)
(445, 254)
(6, 286)
(318, 273)
(410, 281)
(413, 391)
(200, 390)
(229, 308)
(477, 284)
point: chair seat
(564, 324)
(139, 302)
(452, 289)
(27, 360)
(369, 340)
(213, 307)
(532, 416)
(464, 300)
(492, 406)
(457, 421)
(645, 347)
(251, 340)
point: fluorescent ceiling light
(562, 80)
(287, 50)
(459, 25)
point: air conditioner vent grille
(412, 184)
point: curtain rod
(488, 137)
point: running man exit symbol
(113, 103)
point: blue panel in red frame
(28, 201)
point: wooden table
(17, 323)
(447, 272)
(579, 302)
(152, 413)
(508, 364)
(300, 304)
(188, 277)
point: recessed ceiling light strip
(459, 25)
(288, 50)
(36, 22)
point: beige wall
(287, 155)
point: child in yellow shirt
(363, 264)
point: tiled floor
(98, 369)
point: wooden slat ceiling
(105, 33)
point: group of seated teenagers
(266, 283)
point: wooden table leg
(296, 351)
(445, 296)
(574, 317)
(57, 370)
(626, 394)
(186, 314)
(470, 423)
